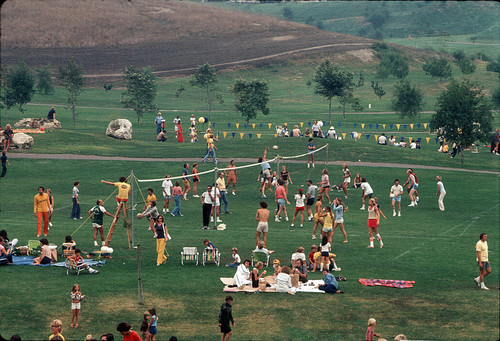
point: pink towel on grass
(392, 283)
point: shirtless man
(232, 176)
(318, 208)
(262, 216)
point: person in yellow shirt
(123, 189)
(210, 138)
(221, 184)
(151, 197)
(41, 210)
(482, 260)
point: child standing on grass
(369, 331)
(144, 325)
(76, 297)
(152, 325)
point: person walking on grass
(186, 181)
(300, 198)
(41, 209)
(441, 192)
(346, 176)
(282, 200)
(210, 138)
(161, 235)
(339, 209)
(232, 176)
(395, 195)
(177, 193)
(310, 152)
(482, 260)
(167, 196)
(225, 318)
(310, 195)
(325, 184)
(76, 297)
(373, 223)
(262, 216)
(196, 180)
(75, 211)
(96, 213)
(367, 192)
(5, 162)
(318, 219)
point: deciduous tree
(206, 78)
(378, 90)
(333, 81)
(439, 68)
(44, 80)
(407, 100)
(251, 96)
(71, 77)
(141, 90)
(20, 86)
(463, 114)
(392, 63)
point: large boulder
(21, 141)
(38, 122)
(120, 129)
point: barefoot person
(482, 260)
(232, 176)
(96, 213)
(346, 175)
(325, 184)
(318, 208)
(367, 192)
(262, 216)
(339, 209)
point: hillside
(388, 19)
(107, 36)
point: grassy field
(433, 248)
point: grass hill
(388, 19)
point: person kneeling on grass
(331, 285)
(77, 258)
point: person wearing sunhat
(158, 121)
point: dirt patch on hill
(171, 37)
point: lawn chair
(189, 254)
(71, 266)
(33, 245)
(211, 256)
(258, 256)
(68, 249)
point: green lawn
(433, 248)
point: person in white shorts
(367, 192)
(262, 216)
(166, 187)
(346, 175)
(396, 193)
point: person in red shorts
(373, 221)
(123, 189)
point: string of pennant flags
(377, 126)
(233, 135)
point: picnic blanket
(306, 287)
(392, 283)
(28, 260)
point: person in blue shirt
(310, 152)
(266, 173)
(331, 285)
(158, 121)
(339, 209)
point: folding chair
(211, 256)
(258, 256)
(189, 254)
(71, 266)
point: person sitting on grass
(45, 256)
(161, 136)
(236, 258)
(298, 255)
(77, 258)
(312, 260)
(4, 252)
(301, 269)
(260, 248)
(255, 274)
(331, 285)
(276, 267)
(284, 281)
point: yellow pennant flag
(362, 126)
(241, 135)
(383, 125)
(359, 136)
(224, 134)
(301, 124)
(411, 125)
(343, 135)
(269, 125)
(425, 125)
(376, 137)
(427, 139)
(410, 138)
(259, 135)
(237, 125)
(275, 135)
(398, 125)
(253, 125)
